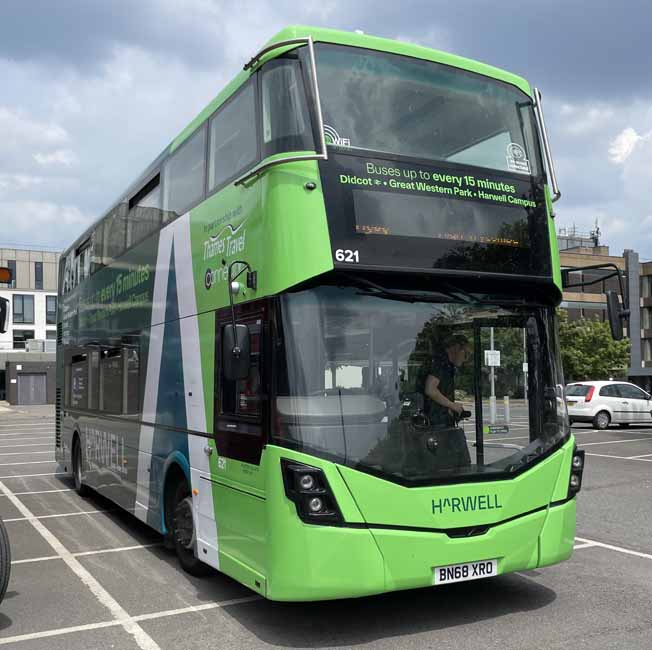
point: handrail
(318, 155)
(546, 144)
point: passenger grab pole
(477, 389)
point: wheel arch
(176, 468)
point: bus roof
(324, 35)
(354, 39)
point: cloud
(624, 144)
(38, 222)
(64, 157)
(110, 84)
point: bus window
(286, 121)
(132, 366)
(144, 215)
(94, 380)
(97, 248)
(233, 143)
(78, 397)
(184, 175)
(114, 233)
(111, 380)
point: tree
(589, 352)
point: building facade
(31, 325)
(578, 250)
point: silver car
(605, 402)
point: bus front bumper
(342, 562)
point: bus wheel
(601, 420)
(184, 534)
(5, 560)
(80, 488)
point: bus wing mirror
(4, 311)
(236, 352)
(615, 315)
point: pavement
(87, 576)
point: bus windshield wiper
(405, 296)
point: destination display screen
(385, 213)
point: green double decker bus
(314, 344)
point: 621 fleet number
(346, 255)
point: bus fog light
(306, 482)
(575, 482)
(315, 504)
(578, 462)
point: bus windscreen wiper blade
(379, 290)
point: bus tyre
(601, 420)
(184, 534)
(5, 560)
(80, 488)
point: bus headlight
(577, 468)
(308, 489)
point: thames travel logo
(228, 243)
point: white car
(606, 402)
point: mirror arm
(245, 267)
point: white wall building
(32, 297)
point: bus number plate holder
(444, 575)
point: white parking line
(26, 436)
(640, 457)
(56, 516)
(134, 619)
(586, 545)
(28, 462)
(104, 551)
(640, 460)
(618, 549)
(62, 474)
(24, 453)
(20, 494)
(611, 442)
(9, 425)
(121, 617)
(29, 444)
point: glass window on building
(594, 314)
(38, 275)
(646, 286)
(21, 337)
(11, 265)
(647, 350)
(51, 310)
(51, 335)
(23, 309)
(574, 314)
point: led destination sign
(438, 215)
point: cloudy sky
(91, 91)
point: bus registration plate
(467, 571)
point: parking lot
(85, 576)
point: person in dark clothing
(439, 372)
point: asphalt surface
(86, 576)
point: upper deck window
(387, 103)
(234, 143)
(184, 175)
(286, 121)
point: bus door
(240, 413)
